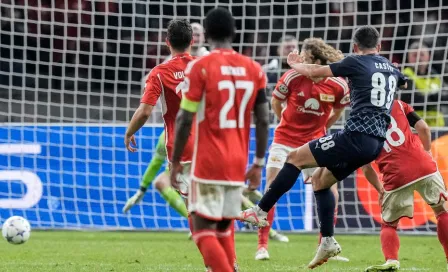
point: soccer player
(306, 108)
(373, 80)
(407, 166)
(222, 88)
(164, 82)
(161, 182)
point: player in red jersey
(306, 108)
(407, 166)
(163, 82)
(223, 88)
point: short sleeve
(282, 89)
(153, 88)
(194, 81)
(346, 67)
(342, 93)
(405, 107)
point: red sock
(390, 243)
(227, 241)
(442, 231)
(334, 223)
(213, 253)
(263, 233)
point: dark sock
(325, 210)
(284, 181)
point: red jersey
(226, 84)
(308, 106)
(403, 159)
(163, 81)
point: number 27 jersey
(226, 84)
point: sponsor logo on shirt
(301, 94)
(327, 97)
(311, 106)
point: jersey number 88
(378, 93)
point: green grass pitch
(151, 251)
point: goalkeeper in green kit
(171, 196)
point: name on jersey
(384, 66)
(233, 71)
(179, 75)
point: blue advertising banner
(80, 176)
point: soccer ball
(16, 230)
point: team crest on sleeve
(283, 89)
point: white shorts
(277, 157)
(184, 180)
(400, 202)
(215, 202)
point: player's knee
(295, 159)
(162, 182)
(393, 224)
(438, 210)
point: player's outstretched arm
(372, 178)
(309, 70)
(139, 118)
(424, 133)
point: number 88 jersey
(225, 84)
(403, 159)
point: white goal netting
(71, 76)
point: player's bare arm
(139, 118)
(424, 133)
(334, 116)
(261, 114)
(372, 178)
(309, 70)
(277, 107)
(184, 121)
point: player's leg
(297, 160)
(153, 168)
(206, 202)
(322, 181)
(396, 204)
(334, 190)
(171, 196)
(433, 191)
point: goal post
(72, 74)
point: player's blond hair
(317, 49)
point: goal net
(71, 75)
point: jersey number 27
(240, 85)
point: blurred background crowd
(84, 60)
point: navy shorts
(345, 151)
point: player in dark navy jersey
(373, 81)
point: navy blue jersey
(373, 81)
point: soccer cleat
(255, 216)
(135, 199)
(278, 237)
(328, 248)
(339, 259)
(262, 254)
(390, 265)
